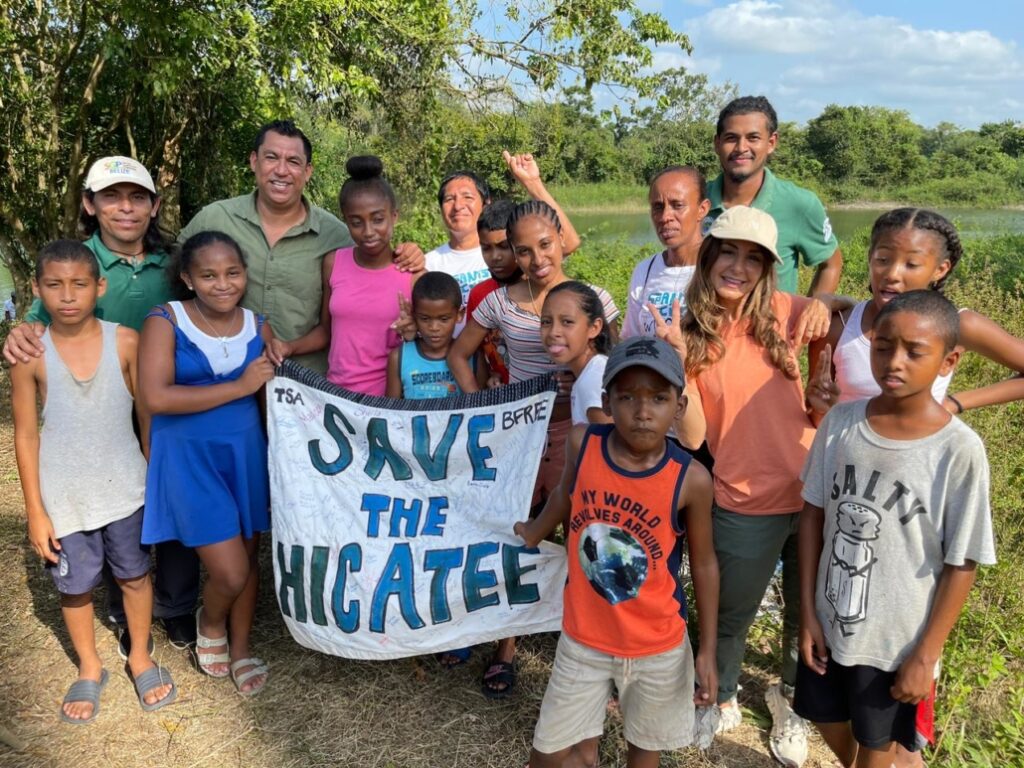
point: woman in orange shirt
(739, 338)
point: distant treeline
(845, 153)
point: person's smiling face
(281, 169)
(744, 145)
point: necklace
(222, 339)
(533, 301)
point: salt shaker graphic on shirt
(848, 581)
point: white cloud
(813, 52)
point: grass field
(322, 711)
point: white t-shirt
(467, 267)
(587, 389)
(658, 284)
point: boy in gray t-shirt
(896, 519)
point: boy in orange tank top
(627, 496)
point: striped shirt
(520, 329)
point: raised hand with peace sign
(671, 331)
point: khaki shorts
(655, 697)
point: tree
(181, 85)
(865, 145)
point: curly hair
(702, 323)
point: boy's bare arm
(128, 351)
(809, 544)
(696, 497)
(394, 380)
(917, 673)
(25, 384)
(557, 507)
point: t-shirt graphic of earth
(614, 562)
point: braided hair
(950, 247)
(532, 208)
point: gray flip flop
(152, 678)
(87, 691)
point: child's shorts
(860, 695)
(655, 697)
(82, 554)
(549, 473)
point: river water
(636, 226)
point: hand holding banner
(393, 519)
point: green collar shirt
(133, 287)
(284, 282)
(805, 233)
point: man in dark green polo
(120, 209)
(119, 214)
(745, 138)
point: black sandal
(499, 673)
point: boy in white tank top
(83, 475)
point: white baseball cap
(108, 171)
(751, 224)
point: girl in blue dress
(201, 363)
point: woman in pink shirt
(363, 289)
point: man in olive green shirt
(283, 236)
(745, 138)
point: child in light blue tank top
(418, 369)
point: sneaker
(731, 715)
(705, 725)
(181, 631)
(124, 642)
(788, 740)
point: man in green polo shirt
(284, 237)
(745, 138)
(119, 213)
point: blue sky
(961, 62)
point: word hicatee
(478, 583)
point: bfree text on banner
(392, 519)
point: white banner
(392, 519)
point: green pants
(748, 547)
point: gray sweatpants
(748, 547)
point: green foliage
(846, 141)
(183, 85)
(608, 265)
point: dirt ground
(315, 711)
